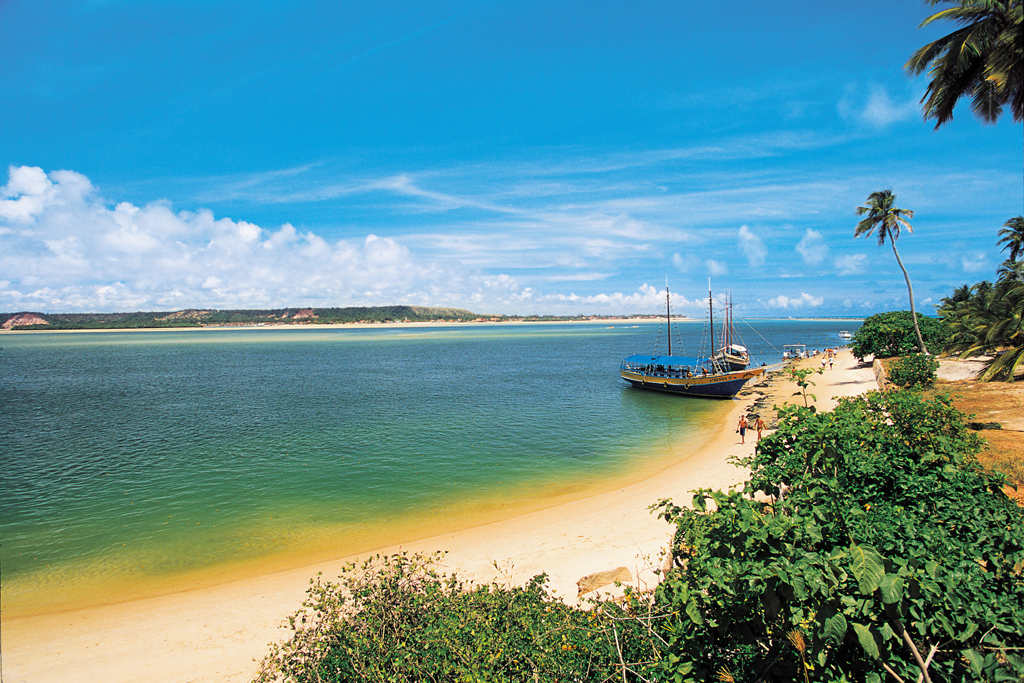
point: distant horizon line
(309, 317)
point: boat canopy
(641, 360)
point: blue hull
(725, 385)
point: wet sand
(221, 632)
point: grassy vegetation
(397, 618)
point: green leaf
(834, 628)
(946, 625)
(974, 660)
(799, 588)
(866, 639)
(892, 589)
(868, 568)
(972, 627)
(693, 612)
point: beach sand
(220, 633)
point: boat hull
(724, 385)
(732, 362)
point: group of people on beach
(828, 358)
(741, 428)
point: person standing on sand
(742, 428)
(759, 425)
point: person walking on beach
(742, 428)
(759, 425)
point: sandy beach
(220, 633)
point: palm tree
(1012, 237)
(983, 59)
(988, 319)
(883, 214)
(993, 325)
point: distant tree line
(201, 318)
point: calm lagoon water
(133, 459)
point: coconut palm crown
(1012, 237)
(888, 219)
(983, 60)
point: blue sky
(504, 157)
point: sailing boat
(701, 377)
(731, 356)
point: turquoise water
(139, 457)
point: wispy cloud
(852, 264)
(752, 246)
(804, 300)
(877, 108)
(975, 263)
(500, 237)
(716, 267)
(76, 253)
(812, 247)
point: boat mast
(668, 317)
(727, 342)
(711, 314)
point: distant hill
(210, 317)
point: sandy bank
(215, 634)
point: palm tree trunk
(910, 289)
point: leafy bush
(916, 371)
(398, 619)
(800, 375)
(891, 554)
(886, 335)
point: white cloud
(852, 264)
(974, 263)
(752, 246)
(26, 193)
(881, 111)
(716, 267)
(805, 299)
(812, 247)
(71, 251)
(65, 248)
(646, 298)
(877, 109)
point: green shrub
(397, 618)
(890, 547)
(886, 335)
(916, 371)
